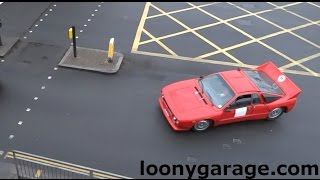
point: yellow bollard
(70, 34)
(111, 50)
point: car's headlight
(175, 120)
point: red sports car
(228, 97)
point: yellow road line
(314, 4)
(300, 72)
(216, 62)
(295, 14)
(274, 24)
(197, 34)
(159, 42)
(140, 27)
(38, 173)
(312, 57)
(216, 23)
(190, 59)
(258, 39)
(274, 50)
(181, 10)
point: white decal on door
(240, 112)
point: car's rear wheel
(202, 125)
(275, 113)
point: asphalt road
(112, 122)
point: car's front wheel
(202, 125)
(275, 113)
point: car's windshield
(216, 89)
(263, 82)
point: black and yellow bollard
(72, 36)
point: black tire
(202, 125)
(275, 113)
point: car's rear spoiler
(290, 89)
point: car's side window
(255, 99)
(270, 98)
(241, 101)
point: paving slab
(92, 60)
(7, 44)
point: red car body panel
(183, 103)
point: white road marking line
(11, 136)
(2, 60)
(1, 152)
(28, 109)
(36, 25)
(43, 87)
(46, 15)
(25, 37)
(55, 68)
(30, 31)
(55, 5)
(89, 19)
(50, 9)
(92, 14)
(41, 19)
(49, 77)
(99, 5)
(20, 122)
(1, 3)
(96, 10)
(81, 30)
(85, 25)
(35, 98)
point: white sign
(281, 78)
(240, 112)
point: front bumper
(166, 111)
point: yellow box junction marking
(238, 63)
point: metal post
(16, 164)
(0, 34)
(91, 174)
(74, 41)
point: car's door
(238, 110)
(259, 108)
(271, 100)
